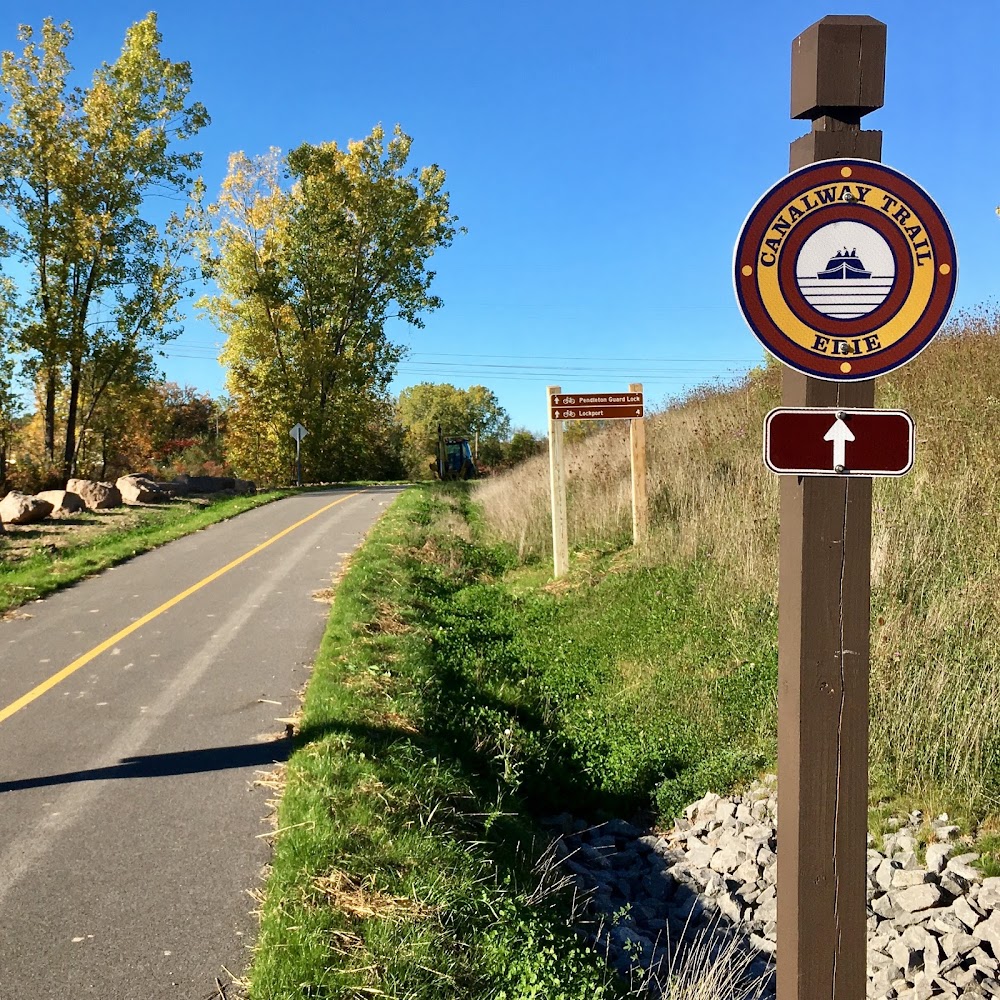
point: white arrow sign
(298, 432)
(839, 434)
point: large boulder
(63, 502)
(97, 496)
(140, 489)
(18, 508)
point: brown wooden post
(557, 490)
(637, 451)
(838, 75)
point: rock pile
(138, 489)
(933, 925)
(80, 494)
(63, 502)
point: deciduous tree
(460, 412)
(77, 167)
(10, 405)
(311, 257)
(523, 444)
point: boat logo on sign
(845, 269)
(843, 288)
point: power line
(553, 377)
(541, 369)
(548, 357)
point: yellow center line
(80, 661)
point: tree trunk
(69, 451)
(50, 415)
(104, 455)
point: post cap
(838, 68)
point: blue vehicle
(454, 458)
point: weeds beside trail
(935, 670)
(456, 700)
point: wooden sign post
(838, 75)
(637, 446)
(557, 489)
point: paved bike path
(130, 825)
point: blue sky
(602, 157)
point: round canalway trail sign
(845, 269)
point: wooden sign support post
(838, 74)
(557, 488)
(637, 446)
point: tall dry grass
(935, 547)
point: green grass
(400, 868)
(624, 690)
(51, 567)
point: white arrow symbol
(839, 434)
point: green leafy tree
(523, 444)
(308, 273)
(77, 166)
(461, 412)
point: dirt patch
(55, 535)
(561, 585)
(372, 681)
(392, 720)
(386, 620)
(14, 615)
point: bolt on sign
(845, 269)
(824, 442)
(597, 406)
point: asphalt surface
(130, 823)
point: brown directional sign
(838, 442)
(596, 412)
(597, 406)
(597, 399)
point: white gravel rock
(934, 924)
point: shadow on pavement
(161, 765)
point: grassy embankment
(455, 701)
(400, 867)
(935, 670)
(38, 559)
